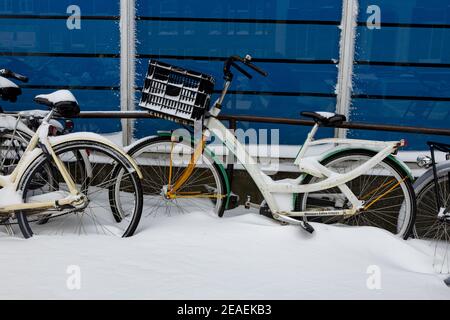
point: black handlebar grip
(257, 69)
(12, 75)
(245, 73)
(20, 77)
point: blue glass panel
(243, 9)
(259, 105)
(65, 71)
(402, 81)
(404, 45)
(416, 142)
(89, 100)
(404, 113)
(282, 77)
(288, 134)
(22, 35)
(409, 11)
(314, 42)
(52, 7)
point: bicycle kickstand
(304, 223)
(306, 226)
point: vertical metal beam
(347, 56)
(127, 65)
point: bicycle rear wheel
(386, 190)
(204, 191)
(93, 179)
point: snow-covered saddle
(9, 91)
(62, 101)
(325, 118)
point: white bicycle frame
(34, 149)
(285, 190)
(41, 140)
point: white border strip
(347, 43)
(127, 65)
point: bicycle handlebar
(231, 62)
(12, 75)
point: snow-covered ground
(241, 256)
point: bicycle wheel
(386, 191)
(431, 222)
(93, 178)
(204, 190)
(12, 147)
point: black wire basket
(176, 94)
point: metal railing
(233, 119)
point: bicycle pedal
(307, 227)
(447, 282)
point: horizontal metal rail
(287, 121)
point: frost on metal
(347, 43)
(127, 64)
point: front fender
(56, 141)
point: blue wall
(403, 75)
(402, 72)
(35, 41)
(295, 41)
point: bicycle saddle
(325, 118)
(62, 101)
(9, 91)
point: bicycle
(51, 191)
(357, 183)
(433, 204)
(15, 135)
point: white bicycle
(71, 184)
(358, 182)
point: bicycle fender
(428, 176)
(56, 141)
(406, 170)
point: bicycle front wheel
(90, 164)
(162, 162)
(386, 190)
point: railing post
(346, 60)
(127, 65)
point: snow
(58, 96)
(5, 83)
(9, 122)
(241, 256)
(8, 194)
(327, 115)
